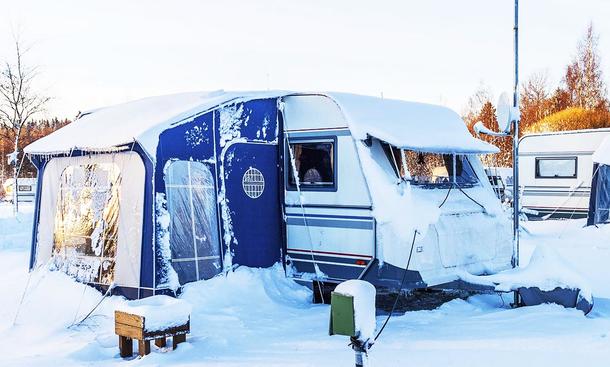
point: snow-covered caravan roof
(409, 125)
(570, 141)
(110, 128)
(602, 153)
(403, 124)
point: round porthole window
(253, 183)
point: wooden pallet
(129, 326)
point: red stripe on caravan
(330, 253)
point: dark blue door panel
(253, 199)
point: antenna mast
(516, 143)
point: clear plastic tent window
(194, 239)
(602, 197)
(86, 222)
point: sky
(96, 53)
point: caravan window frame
(288, 162)
(563, 158)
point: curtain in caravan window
(191, 201)
(556, 167)
(86, 222)
(602, 198)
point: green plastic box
(342, 320)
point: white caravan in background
(555, 172)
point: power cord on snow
(402, 282)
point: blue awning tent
(120, 184)
(599, 202)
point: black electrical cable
(446, 197)
(473, 200)
(402, 282)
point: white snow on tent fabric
(108, 129)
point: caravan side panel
(329, 226)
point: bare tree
(583, 79)
(475, 104)
(535, 102)
(19, 102)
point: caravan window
(315, 163)
(431, 169)
(191, 202)
(556, 167)
(86, 222)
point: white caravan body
(555, 171)
(364, 224)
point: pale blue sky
(94, 53)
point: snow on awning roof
(409, 125)
(111, 128)
(602, 153)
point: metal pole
(360, 350)
(516, 144)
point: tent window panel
(191, 197)
(86, 222)
(208, 268)
(556, 167)
(181, 229)
(602, 195)
(431, 169)
(186, 271)
(315, 164)
(206, 235)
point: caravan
(149, 195)
(555, 172)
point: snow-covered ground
(258, 318)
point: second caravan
(555, 172)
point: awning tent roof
(109, 128)
(602, 153)
(403, 124)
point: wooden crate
(129, 326)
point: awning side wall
(127, 271)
